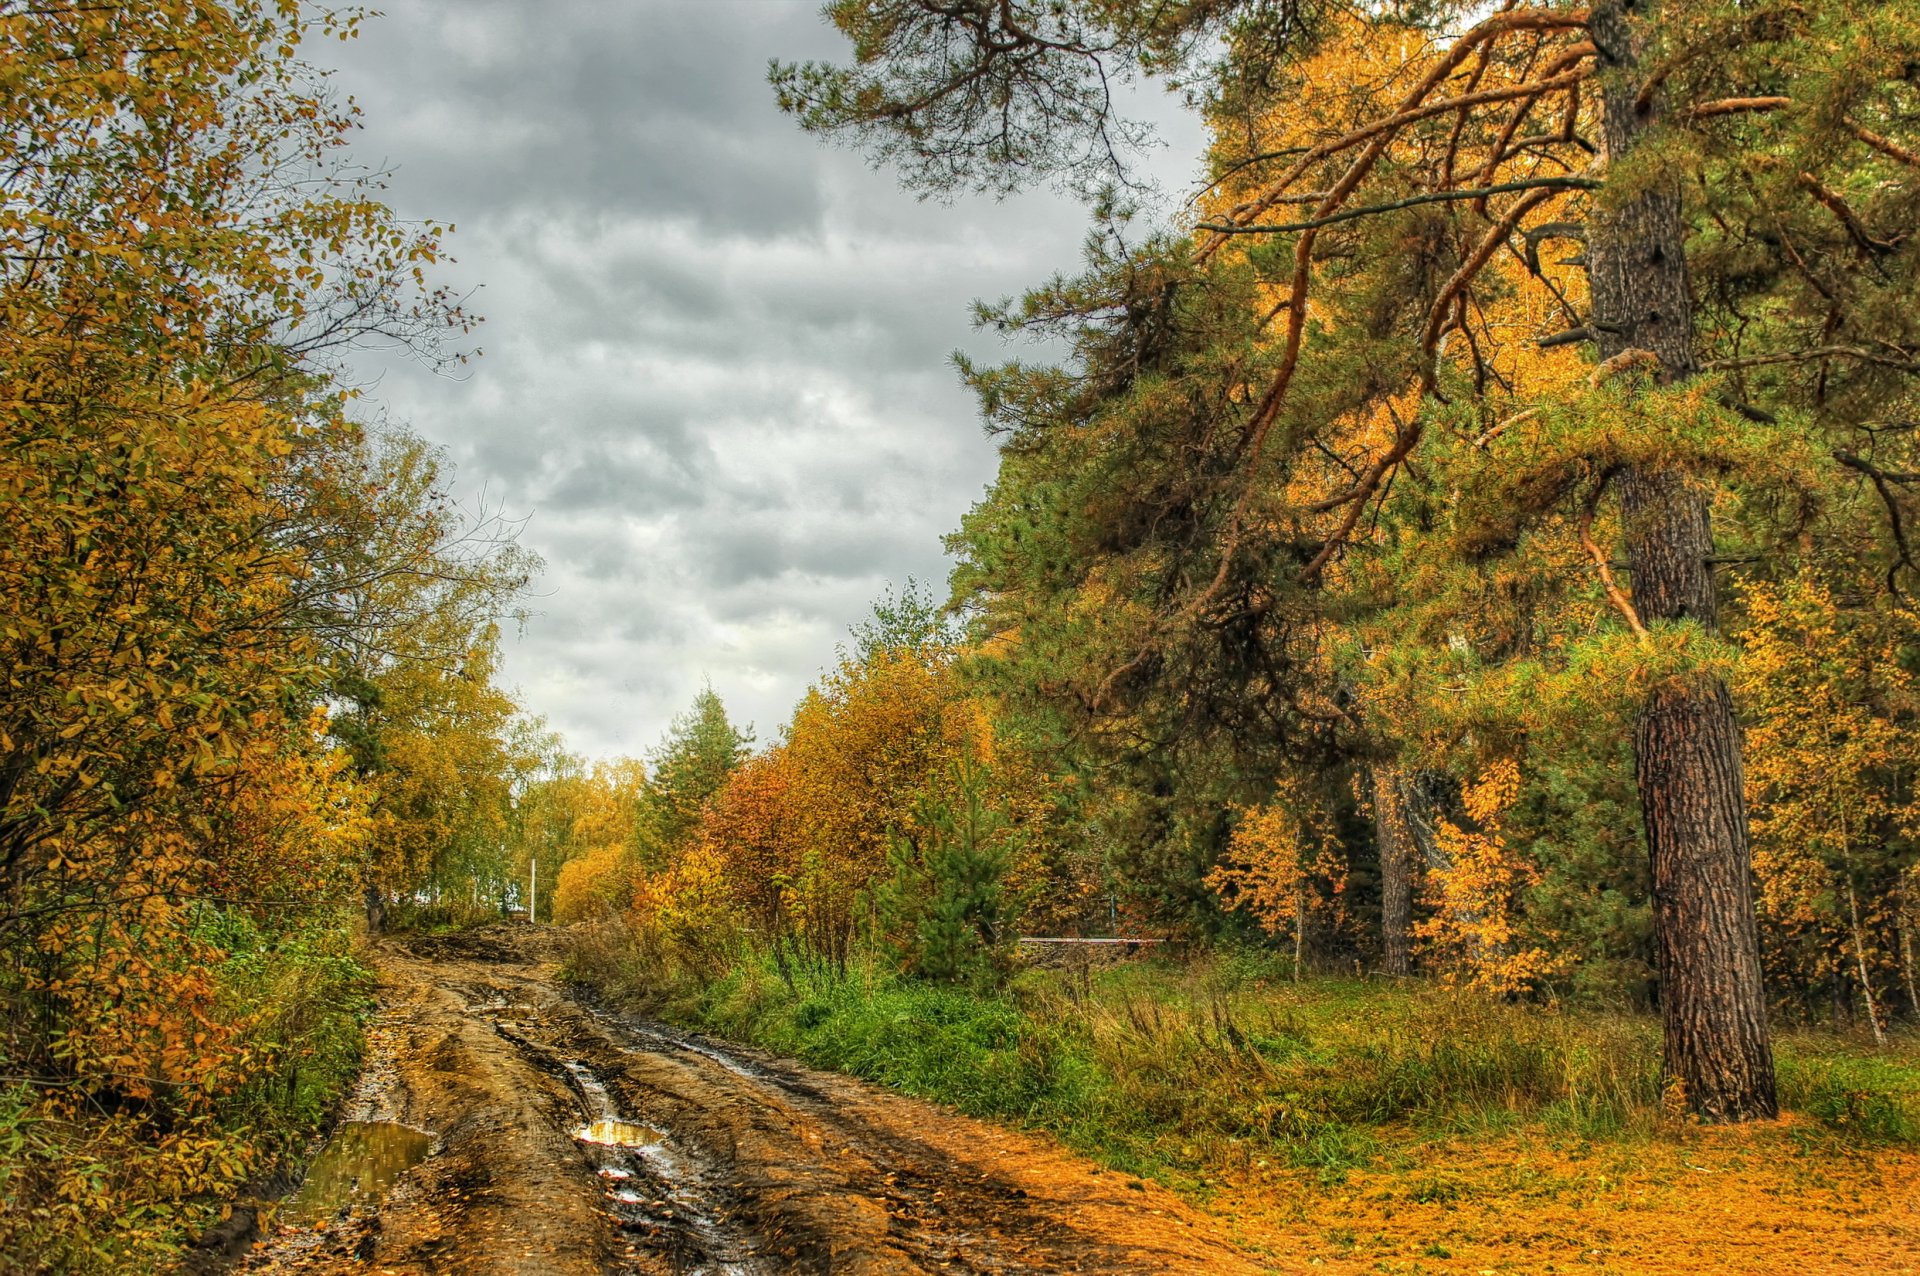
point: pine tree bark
(1395, 841)
(1687, 741)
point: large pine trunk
(1395, 841)
(1687, 742)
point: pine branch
(1412, 201)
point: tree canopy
(1476, 304)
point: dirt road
(569, 1141)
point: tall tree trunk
(1299, 931)
(1687, 743)
(1395, 840)
(1903, 920)
(1859, 934)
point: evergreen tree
(700, 750)
(1365, 463)
(946, 913)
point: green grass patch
(1869, 1096)
(1182, 1071)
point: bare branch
(1615, 595)
(1734, 106)
(1885, 145)
(1883, 484)
(1572, 336)
(1805, 356)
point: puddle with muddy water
(653, 1189)
(359, 1163)
(617, 1134)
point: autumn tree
(1283, 865)
(1741, 183)
(404, 599)
(185, 252)
(890, 772)
(168, 286)
(172, 293)
(1832, 753)
(576, 829)
(751, 827)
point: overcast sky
(715, 370)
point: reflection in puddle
(655, 1191)
(617, 1134)
(358, 1163)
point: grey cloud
(715, 369)
(659, 106)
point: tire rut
(573, 1139)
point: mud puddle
(359, 1163)
(660, 1194)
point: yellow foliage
(687, 915)
(1830, 760)
(1282, 859)
(596, 884)
(1475, 928)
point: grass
(1166, 1068)
(1365, 1123)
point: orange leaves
(751, 827)
(812, 821)
(1486, 798)
(1282, 861)
(1477, 894)
(800, 833)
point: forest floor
(566, 1140)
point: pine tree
(1390, 186)
(700, 750)
(946, 912)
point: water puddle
(609, 1132)
(358, 1164)
(653, 1189)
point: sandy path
(731, 1162)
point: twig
(1818, 352)
(1734, 106)
(1493, 432)
(1615, 595)
(1885, 145)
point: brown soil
(744, 1164)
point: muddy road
(566, 1141)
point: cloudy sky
(715, 371)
